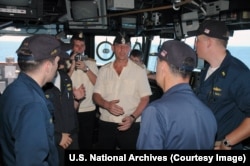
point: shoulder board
(141, 65)
(90, 59)
(106, 64)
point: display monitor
(88, 14)
(85, 10)
(20, 9)
(37, 10)
(128, 22)
(15, 2)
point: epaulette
(141, 65)
(106, 64)
(90, 59)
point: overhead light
(12, 28)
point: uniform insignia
(141, 65)
(164, 53)
(53, 52)
(47, 96)
(207, 31)
(80, 35)
(90, 59)
(216, 89)
(107, 64)
(223, 73)
(69, 87)
(123, 41)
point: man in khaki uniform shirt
(122, 91)
(83, 70)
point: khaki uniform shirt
(129, 87)
(78, 77)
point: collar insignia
(216, 89)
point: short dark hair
(179, 71)
(77, 36)
(136, 53)
(27, 66)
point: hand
(72, 62)
(79, 93)
(81, 65)
(73, 56)
(126, 123)
(113, 108)
(65, 141)
(220, 146)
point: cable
(200, 6)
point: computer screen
(84, 10)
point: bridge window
(103, 50)
(154, 49)
(238, 45)
(8, 46)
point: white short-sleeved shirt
(78, 77)
(128, 87)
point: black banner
(164, 157)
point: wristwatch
(86, 69)
(226, 143)
(77, 100)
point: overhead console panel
(135, 16)
(45, 11)
(120, 4)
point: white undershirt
(210, 71)
(57, 81)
